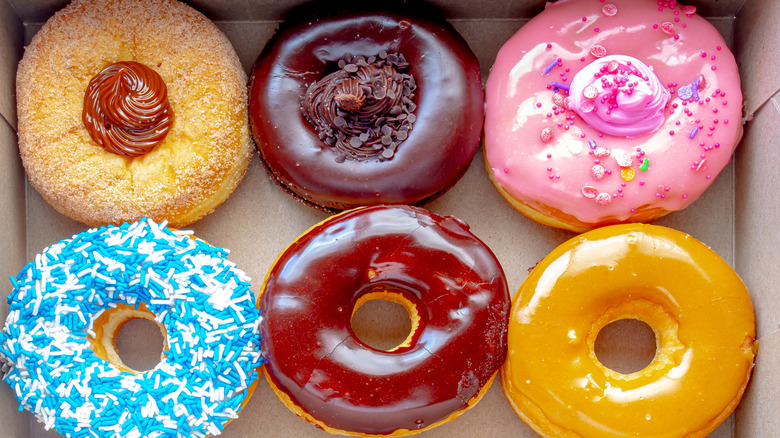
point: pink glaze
(541, 152)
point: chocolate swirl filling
(126, 109)
(365, 109)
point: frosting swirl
(126, 109)
(619, 95)
(364, 109)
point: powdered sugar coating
(206, 151)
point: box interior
(735, 216)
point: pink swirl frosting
(619, 95)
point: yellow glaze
(695, 303)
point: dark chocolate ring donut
(458, 291)
(449, 110)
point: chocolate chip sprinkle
(364, 109)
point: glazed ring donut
(695, 303)
(57, 350)
(363, 109)
(625, 112)
(131, 109)
(448, 280)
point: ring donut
(131, 109)
(448, 280)
(605, 112)
(58, 354)
(695, 303)
(344, 147)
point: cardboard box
(736, 216)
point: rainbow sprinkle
(550, 66)
(202, 299)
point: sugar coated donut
(366, 108)
(57, 349)
(131, 109)
(697, 306)
(450, 283)
(603, 112)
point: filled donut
(359, 109)
(131, 109)
(452, 287)
(603, 112)
(697, 306)
(58, 354)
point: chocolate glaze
(126, 109)
(456, 284)
(449, 113)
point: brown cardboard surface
(734, 217)
(251, 10)
(757, 256)
(38, 10)
(758, 52)
(10, 49)
(12, 256)
(757, 415)
(756, 203)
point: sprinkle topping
(546, 135)
(364, 110)
(598, 51)
(201, 299)
(609, 9)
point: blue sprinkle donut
(200, 299)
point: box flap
(757, 255)
(37, 11)
(11, 33)
(12, 256)
(757, 414)
(242, 10)
(757, 162)
(758, 52)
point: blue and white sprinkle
(202, 299)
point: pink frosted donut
(609, 111)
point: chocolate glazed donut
(448, 108)
(449, 276)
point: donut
(130, 109)
(366, 108)
(605, 112)
(452, 287)
(57, 350)
(697, 306)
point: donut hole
(626, 346)
(140, 344)
(129, 338)
(384, 320)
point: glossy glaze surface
(449, 113)
(126, 109)
(451, 277)
(544, 155)
(695, 303)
